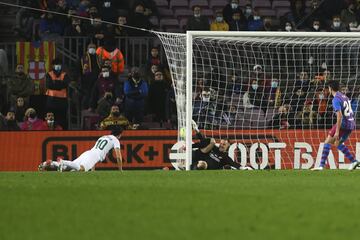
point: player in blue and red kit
(341, 131)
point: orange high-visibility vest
(57, 93)
(116, 57)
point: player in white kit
(87, 160)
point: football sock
(71, 165)
(346, 152)
(325, 154)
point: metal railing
(136, 51)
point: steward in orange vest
(57, 83)
(110, 52)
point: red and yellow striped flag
(36, 58)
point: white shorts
(88, 159)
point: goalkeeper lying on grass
(208, 156)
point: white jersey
(104, 144)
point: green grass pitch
(180, 205)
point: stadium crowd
(146, 95)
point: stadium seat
(217, 4)
(242, 3)
(169, 23)
(165, 12)
(181, 12)
(261, 4)
(179, 4)
(280, 4)
(162, 3)
(207, 12)
(266, 12)
(282, 11)
(201, 3)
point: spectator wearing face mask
(49, 124)
(136, 90)
(337, 25)
(253, 97)
(230, 9)
(197, 22)
(10, 123)
(315, 26)
(57, 82)
(248, 13)
(31, 121)
(219, 24)
(238, 22)
(255, 24)
(20, 85)
(204, 108)
(274, 93)
(288, 27)
(108, 12)
(115, 119)
(89, 69)
(106, 83)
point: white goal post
(273, 52)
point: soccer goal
(264, 91)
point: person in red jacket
(31, 122)
(49, 124)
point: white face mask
(197, 15)
(321, 96)
(316, 27)
(234, 5)
(92, 51)
(336, 24)
(256, 18)
(50, 122)
(107, 4)
(57, 67)
(288, 28)
(206, 99)
(274, 84)
(219, 19)
(106, 74)
(255, 86)
(248, 11)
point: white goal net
(265, 92)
